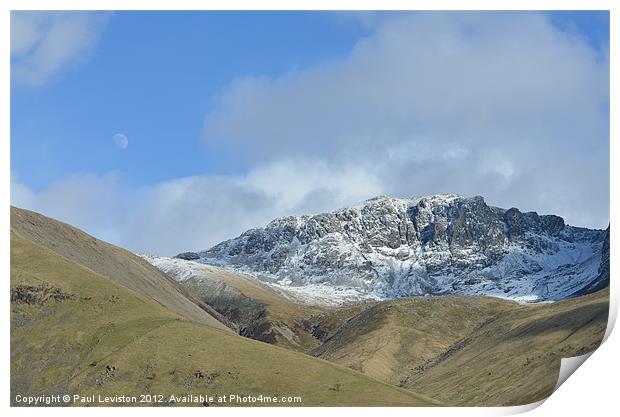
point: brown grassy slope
(74, 331)
(117, 264)
(515, 359)
(388, 338)
(469, 350)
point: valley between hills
(89, 318)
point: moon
(121, 140)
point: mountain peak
(437, 198)
(388, 247)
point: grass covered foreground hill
(112, 262)
(461, 350)
(470, 350)
(76, 330)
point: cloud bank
(501, 105)
(42, 43)
(194, 212)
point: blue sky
(255, 109)
(153, 76)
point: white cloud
(94, 203)
(502, 105)
(42, 43)
(121, 140)
(194, 213)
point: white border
(594, 388)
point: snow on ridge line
(311, 294)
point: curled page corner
(568, 366)
(521, 409)
(613, 312)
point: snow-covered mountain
(435, 245)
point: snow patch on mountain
(317, 294)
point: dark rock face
(426, 245)
(188, 256)
(603, 271)
(520, 223)
(553, 225)
(602, 279)
(475, 226)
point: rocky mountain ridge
(435, 245)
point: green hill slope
(78, 332)
(114, 263)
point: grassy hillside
(388, 338)
(469, 350)
(516, 358)
(112, 262)
(77, 331)
(460, 350)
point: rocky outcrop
(602, 278)
(188, 256)
(445, 244)
(603, 271)
(38, 295)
